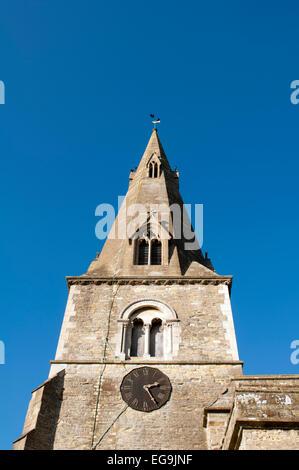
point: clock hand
(146, 388)
(156, 384)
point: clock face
(145, 389)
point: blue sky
(81, 79)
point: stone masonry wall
(265, 413)
(205, 328)
(270, 439)
(43, 413)
(176, 425)
(203, 363)
(204, 333)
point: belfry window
(147, 338)
(148, 328)
(137, 342)
(143, 252)
(156, 250)
(149, 251)
(156, 338)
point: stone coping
(266, 377)
(23, 436)
(234, 441)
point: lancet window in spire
(148, 247)
(149, 251)
(154, 167)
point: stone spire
(154, 146)
(154, 184)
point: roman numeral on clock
(134, 402)
(145, 406)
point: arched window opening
(137, 342)
(148, 328)
(154, 169)
(156, 338)
(156, 252)
(143, 252)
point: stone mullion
(146, 351)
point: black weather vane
(154, 121)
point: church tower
(147, 345)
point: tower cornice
(150, 280)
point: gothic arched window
(148, 251)
(137, 342)
(154, 168)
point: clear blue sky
(81, 79)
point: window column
(124, 339)
(147, 328)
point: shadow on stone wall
(43, 414)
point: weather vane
(155, 121)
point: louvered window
(156, 252)
(143, 252)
